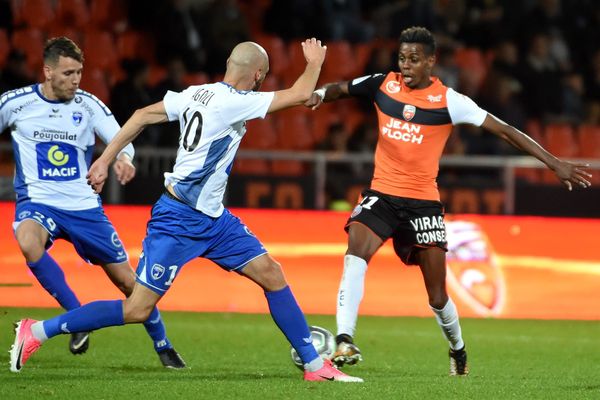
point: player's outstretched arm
(568, 173)
(301, 90)
(329, 92)
(150, 115)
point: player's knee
(272, 276)
(438, 299)
(136, 313)
(31, 247)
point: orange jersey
(414, 125)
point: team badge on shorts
(24, 214)
(356, 211)
(114, 238)
(157, 271)
(409, 112)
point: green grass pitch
(237, 356)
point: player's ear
(47, 72)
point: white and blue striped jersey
(53, 142)
(212, 120)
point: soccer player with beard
(53, 126)
(416, 113)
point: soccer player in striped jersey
(189, 220)
(416, 113)
(53, 126)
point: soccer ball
(324, 342)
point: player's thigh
(421, 227)
(121, 275)
(30, 234)
(30, 217)
(233, 246)
(36, 226)
(371, 223)
(164, 253)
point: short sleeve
(244, 106)
(463, 110)
(365, 86)
(175, 103)
(4, 112)
(107, 127)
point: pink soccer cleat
(25, 344)
(329, 373)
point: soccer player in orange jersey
(415, 113)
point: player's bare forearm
(307, 82)
(329, 92)
(519, 140)
(302, 89)
(335, 91)
(153, 114)
(569, 173)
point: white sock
(314, 365)
(447, 318)
(350, 294)
(38, 332)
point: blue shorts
(90, 231)
(178, 233)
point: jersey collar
(39, 93)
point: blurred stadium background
(533, 63)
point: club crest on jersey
(77, 117)
(392, 87)
(157, 271)
(408, 112)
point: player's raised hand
(314, 52)
(97, 175)
(573, 173)
(124, 169)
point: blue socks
(92, 316)
(289, 318)
(52, 278)
(101, 314)
(156, 329)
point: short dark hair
(418, 34)
(61, 46)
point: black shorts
(411, 223)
